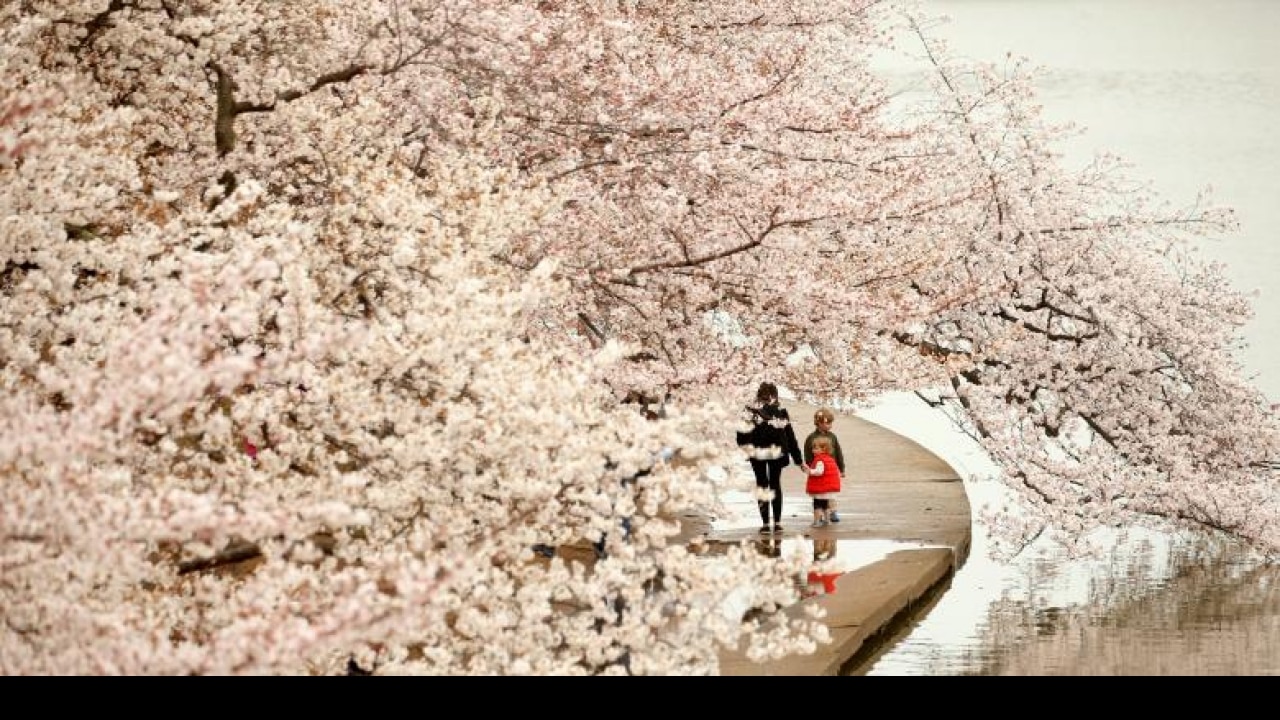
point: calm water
(1189, 91)
(1148, 604)
(1161, 610)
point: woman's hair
(821, 444)
(766, 392)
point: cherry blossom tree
(316, 317)
(791, 204)
(1099, 366)
(272, 406)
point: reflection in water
(819, 576)
(830, 553)
(832, 557)
(822, 574)
(1190, 610)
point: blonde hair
(824, 414)
(821, 444)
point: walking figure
(770, 445)
(824, 481)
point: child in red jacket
(823, 483)
(823, 420)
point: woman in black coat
(771, 445)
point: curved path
(896, 494)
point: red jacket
(827, 581)
(828, 481)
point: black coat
(771, 427)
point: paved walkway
(896, 494)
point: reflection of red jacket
(826, 580)
(828, 481)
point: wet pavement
(904, 531)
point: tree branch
(752, 242)
(228, 108)
(99, 23)
(236, 551)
